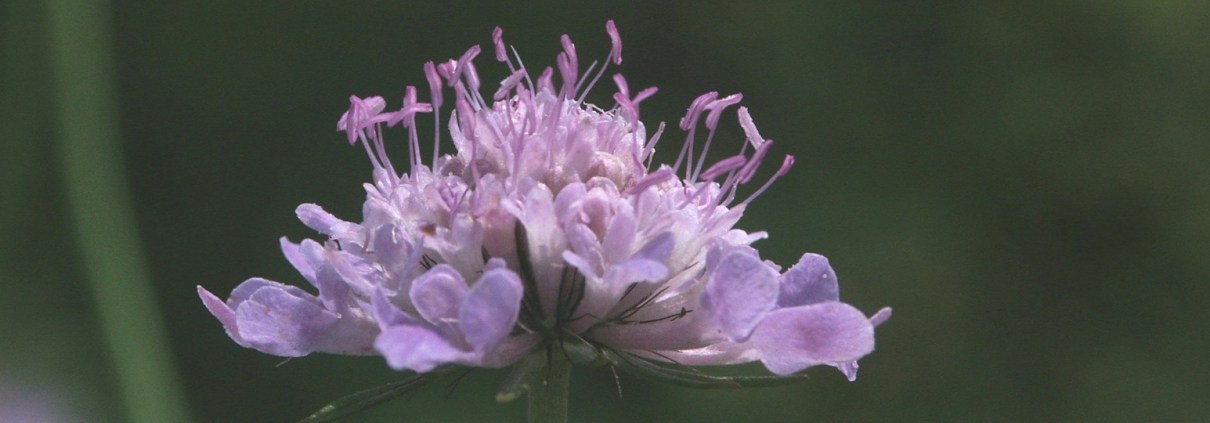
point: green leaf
(690, 377)
(363, 400)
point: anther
(498, 41)
(785, 168)
(615, 53)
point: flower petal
(880, 316)
(224, 314)
(850, 368)
(418, 348)
(621, 275)
(659, 248)
(740, 291)
(619, 238)
(675, 323)
(792, 339)
(316, 218)
(386, 314)
(510, 350)
(810, 281)
(438, 293)
(276, 321)
(490, 309)
(721, 353)
(297, 259)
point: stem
(87, 100)
(548, 400)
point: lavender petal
(223, 312)
(316, 218)
(418, 348)
(276, 321)
(810, 281)
(740, 291)
(490, 309)
(297, 259)
(438, 293)
(792, 339)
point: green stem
(87, 101)
(548, 400)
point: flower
(548, 223)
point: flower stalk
(548, 399)
(102, 213)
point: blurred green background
(1024, 182)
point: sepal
(690, 377)
(368, 398)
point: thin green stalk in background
(87, 109)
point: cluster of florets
(548, 223)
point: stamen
(566, 73)
(446, 70)
(745, 121)
(695, 110)
(472, 76)
(643, 95)
(460, 66)
(729, 186)
(437, 136)
(467, 121)
(437, 97)
(623, 88)
(701, 161)
(716, 111)
(521, 66)
(408, 116)
(466, 116)
(615, 53)
(569, 66)
(652, 179)
(545, 81)
(359, 124)
(498, 41)
(622, 97)
(580, 83)
(507, 85)
(785, 167)
(749, 169)
(724, 166)
(689, 123)
(651, 144)
(370, 152)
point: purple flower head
(549, 223)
